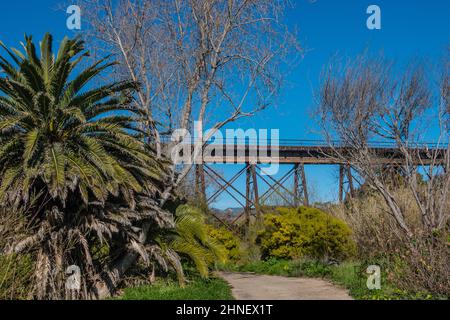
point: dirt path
(249, 286)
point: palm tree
(76, 149)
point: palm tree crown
(64, 134)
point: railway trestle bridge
(293, 153)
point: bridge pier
(251, 194)
(345, 171)
(251, 200)
(302, 189)
(200, 187)
(248, 200)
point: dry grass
(16, 270)
(420, 264)
(373, 226)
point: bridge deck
(306, 154)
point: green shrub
(305, 232)
(287, 268)
(228, 240)
(271, 266)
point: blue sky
(410, 30)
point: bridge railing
(307, 143)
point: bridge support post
(247, 208)
(255, 189)
(251, 194)
(341, 183)
(350, 181)
(300, 176)
(345, 171)
(200, 187)
(305, 187)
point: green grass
(285, 268)
(352, 276)
(198, 289)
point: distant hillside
(227, 214)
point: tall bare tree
(363, 101)
(213, 61)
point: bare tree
(364, 101)
(213, 61)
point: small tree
(362, 102)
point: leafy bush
(294, 233)
(228, 240)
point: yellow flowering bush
(228, 240)
(292, 233)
